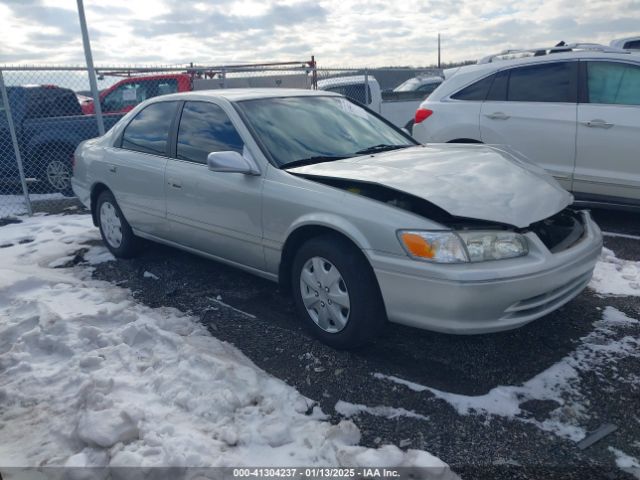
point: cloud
(338, 32)
(185, 22)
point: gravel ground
(255, 316)
(262, 323)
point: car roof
(468, 74)
(239, 94)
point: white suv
(574, 111)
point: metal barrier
(46, 112)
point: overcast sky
(338, 32)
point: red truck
(126, 94)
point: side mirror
(231, 162)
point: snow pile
(614, 276)
(626, 463)
(89, 377)
(559, 383)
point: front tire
(336, 292)
(114, 228)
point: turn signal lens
(417, 245)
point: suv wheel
(336, 292)
(114, 228)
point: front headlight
(494, 245)
(463, 246)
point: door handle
(497, 116)
(113, 168)
(597, 123)
(175, 183)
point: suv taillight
(422, 114)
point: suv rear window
(45, 102)
(148, 132)
(549, 82)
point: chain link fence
(46, 112)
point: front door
(215, 212)
(608, 145)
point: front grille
(561, 231)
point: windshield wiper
(312, 160)
(383, 147)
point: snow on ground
(626, 463)
(90, 377)
(614, 276)
(348, 410)
(12, 205)
(560, 383)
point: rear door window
(148, 132)
(613, 83)
(549, 82)
(205, 128)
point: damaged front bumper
(490, 296)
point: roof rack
(535, 52)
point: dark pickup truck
(49, 125)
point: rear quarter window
(476, 91)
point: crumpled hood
(472, 181)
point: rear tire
(336, 292)
(114, 228)
(52, 166)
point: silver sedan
(361, 223)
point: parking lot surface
(508, 405)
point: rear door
(215, 212)
(135, 168)
(608, 144)
(532, 109)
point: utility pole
(438, 50)
(97, 108)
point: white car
(424, 85)
(574, 112)
(629, 43)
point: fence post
(366, 86)
(314, 75)
(14, 140)
(97, 108)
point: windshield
(296, 130)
